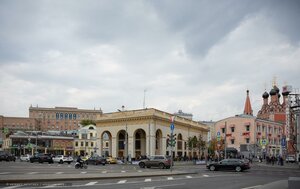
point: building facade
(61, 118)
(250, 135)
(145, 132)
(86, 142)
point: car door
(223, 164)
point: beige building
(86, 141)
(61, 118)
(147, 133)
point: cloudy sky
(193, 55)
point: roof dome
(273, 92)
(265, 95)
(276, 89)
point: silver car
(160, 161)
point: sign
(172, 126)
(263, 142)
(283, 142)
(218, 133)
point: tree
(192, 143)
(86, 122)
(201, 145)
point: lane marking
(32, 173)
(252, 187)
(122, 181)
(11, 187)
(91, 183)
(82, 172)
(4, 173)
(140, 171)
(58, 173)
(189, 177)
(123, 171)
(170, 178)
(104, 171)
(206, 175)
(148, 180)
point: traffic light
(171, 140)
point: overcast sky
(196, 56)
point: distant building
(250, 135)
(86, 141)
(180, 113)
(212, 131)
(61, 118)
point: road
(199, 177)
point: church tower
(248, 109)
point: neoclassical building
(147, 133)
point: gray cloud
(198, 56)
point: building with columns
(147, 133)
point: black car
(6, 156)
(41, 158)
(96, 160)
(229, 164)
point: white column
(131, 152)
(114, 144)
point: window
(66, 116)
(74, 116)
(82, 144)
(247, 140)
(248, 128)
(232, 129)
(91, 135)
(92, 144)
(223, 130)
(61, 116)
(57, 115)
(70, 116)
(86, 143)
(76, 143)
(232, 141)
(83, 136)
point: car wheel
(69, 162)
(238, 169)
(142, 165)
(61, 161)
(212, 168)
(161, 166)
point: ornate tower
(248, 109)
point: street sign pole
(172, 127)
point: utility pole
(225, 140)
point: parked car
(61, 159)
(25, 157)
(6, 156)
(96, 160)
(290, 159)
(111, 160)
(229, 164)
(41, 158)
(160, 161)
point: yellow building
(147, 133)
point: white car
(25, 157)
(61, 159)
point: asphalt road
(254, 178)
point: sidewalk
(286, 165)
(89, 176)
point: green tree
(85, 122)
(201, 145)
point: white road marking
(252, 187)
(170, 178)
(189, 177)
(82, 172)
(4, 173)
(91, 183)
(104, 171)
(58, 173)
(11, 187)
(122, 181)
(32, 173)
(148, 180)
(140, 171)
(206, 175)
(123, 171)
(148, 187)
